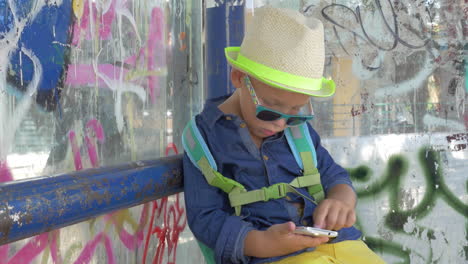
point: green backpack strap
(200, 155)
(207, 252)
(303, 149)
(275, 191)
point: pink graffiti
(93, 130)
(38, 243)
(170, 230)
(154, 44)
(75, 150)
(5, 173)
(173, 216)
(54, 250)
(104, 21)
(34, 247)
(88, 251)
(131, 242)
(82, 74)
(168, 234)
(4, 253)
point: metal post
(224, 27)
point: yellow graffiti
(136, 74)
(48, 251)
(78, 7)
(121, 217)
(45, 255)
(72, 251)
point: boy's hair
(284, 49)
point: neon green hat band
(321, 87)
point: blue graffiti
(47, 35)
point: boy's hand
(334, 214)
(278, 240)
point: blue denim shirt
(209, 214)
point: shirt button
(242, 125)
(228, 118)
(265, 157)
(288, 198)
(304, 222)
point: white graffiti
(11, 118)
(432, 122)
(380, 36)
(119, 87)
(409, 85)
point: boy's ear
(237, 78)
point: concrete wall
(96, 83)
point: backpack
(302, 147)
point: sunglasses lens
(268, 115)
(294, 121)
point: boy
(275, 71)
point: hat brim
(320, 87)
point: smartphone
(316, 232)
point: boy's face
(282, 101)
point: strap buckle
(274, 191)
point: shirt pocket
(286, 166)
(250, 173)
(284, 158)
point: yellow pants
(346, 252)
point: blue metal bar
(37, 205)
(224, 27)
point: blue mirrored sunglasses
(267, 114)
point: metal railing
(37, 205)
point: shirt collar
(211, 113)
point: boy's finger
(290, 226)
(314, 241)
(285, 228)
(319, 216)
(351, 219)
(332, 219)
(340, 223)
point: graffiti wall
(412, 195)
(85, 84)
(399, 120)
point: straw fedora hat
(284, 49)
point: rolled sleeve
(230, 243)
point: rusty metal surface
(37, 205)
